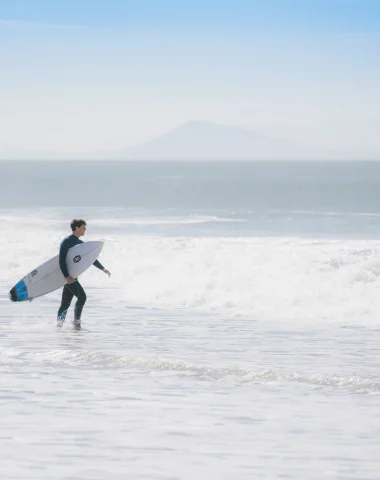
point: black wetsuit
(74, 288)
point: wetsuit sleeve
(97, 264)
(62, 258)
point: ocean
(237, 338)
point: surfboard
(48, 276)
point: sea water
(237, 338)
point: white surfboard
(48, 276)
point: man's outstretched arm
(97, 264)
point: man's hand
(107, 272)
(70, 280)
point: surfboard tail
(19, 292)
(12, 294)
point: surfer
(73, 287)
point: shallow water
(144, 394)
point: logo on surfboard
(77, 259)
(34, 273)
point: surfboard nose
(12, 294)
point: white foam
(163, 220)
(152, 365)
(267, 279)
(263, 278)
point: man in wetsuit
(73, 287)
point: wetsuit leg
(67, 296)
(81, 299)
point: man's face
(81, 230)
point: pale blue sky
(82, 76)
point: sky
(82, 76)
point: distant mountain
(210, 141)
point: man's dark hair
(77, 222)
